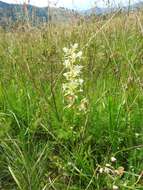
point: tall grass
(43, 145)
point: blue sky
(76, 4)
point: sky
(74, 4)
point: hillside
(100, 11)
(14, 12)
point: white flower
(107, 170)
(80, 90)
(65, 50)
(115, 187)
(66, 63)
(108, 165)
(74, 83)
(73, 57)
(137, 134)
(113, 159)
(78, 68)
(69, 164)
(74, 46)
(101, 170)
(67, 75)
(79, 54)
(81, 81)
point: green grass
(45, 147)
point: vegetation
(47, 145)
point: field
(92, 139)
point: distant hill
(100, 11)
(96, 10)
(15, 12)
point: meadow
(46, 144)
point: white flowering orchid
(74, 83)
